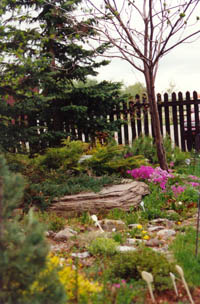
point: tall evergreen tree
(42, 50)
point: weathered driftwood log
(121, 196)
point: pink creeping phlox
(159, 176)
(155, 175)
(178, 189)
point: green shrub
(189, 195)
(103, 246)
(51, 220)
(118, 237)
(17, 162)
(65, 157)
(110, 159)
(144, 145)
(129, 266)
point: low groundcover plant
(161, 177)
(76, 285)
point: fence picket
(181, 120)
(167, 120)
(182, 112)
(175, 119)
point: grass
(184, 252)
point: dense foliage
(22, 252)
(42, 55)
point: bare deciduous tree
(142, 32)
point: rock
(59, 247)
(125, 248)
(163, 250)
(133, 225)
(64, 234)
(134, 241)
(155, 228)
(121, 196)
(154, 243)
(164, 221)
(109, 225)
(166, 233)
(50, 233)
(81, 255)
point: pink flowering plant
(167, 189)
(152, 175)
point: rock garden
(100, 224)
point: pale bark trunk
(155, 118)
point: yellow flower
(68, 277)
(139, 226)
(144, 232)
(146, 237)
(178, 223)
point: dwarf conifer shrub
(111, 158)
(23, 250)
(65, 157)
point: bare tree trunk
(155, 118)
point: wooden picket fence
(175, 112)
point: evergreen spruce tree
(42, 50)
(23, 250)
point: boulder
(64, 234)
(109, 225)
(166, 233)
(122, 196)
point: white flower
(180, 203)
(187, 161)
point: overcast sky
(181, 66)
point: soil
(169, 296)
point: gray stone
(155, 228)
(154, 243)
(109, 225)
(133, 225)
(163, 250)
(134, 241)
(64, 234)
(50, 233)
(125, 248)
(59, 247)
(81, 255)
(166, 233)
(163, 221)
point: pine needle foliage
(23, 249)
